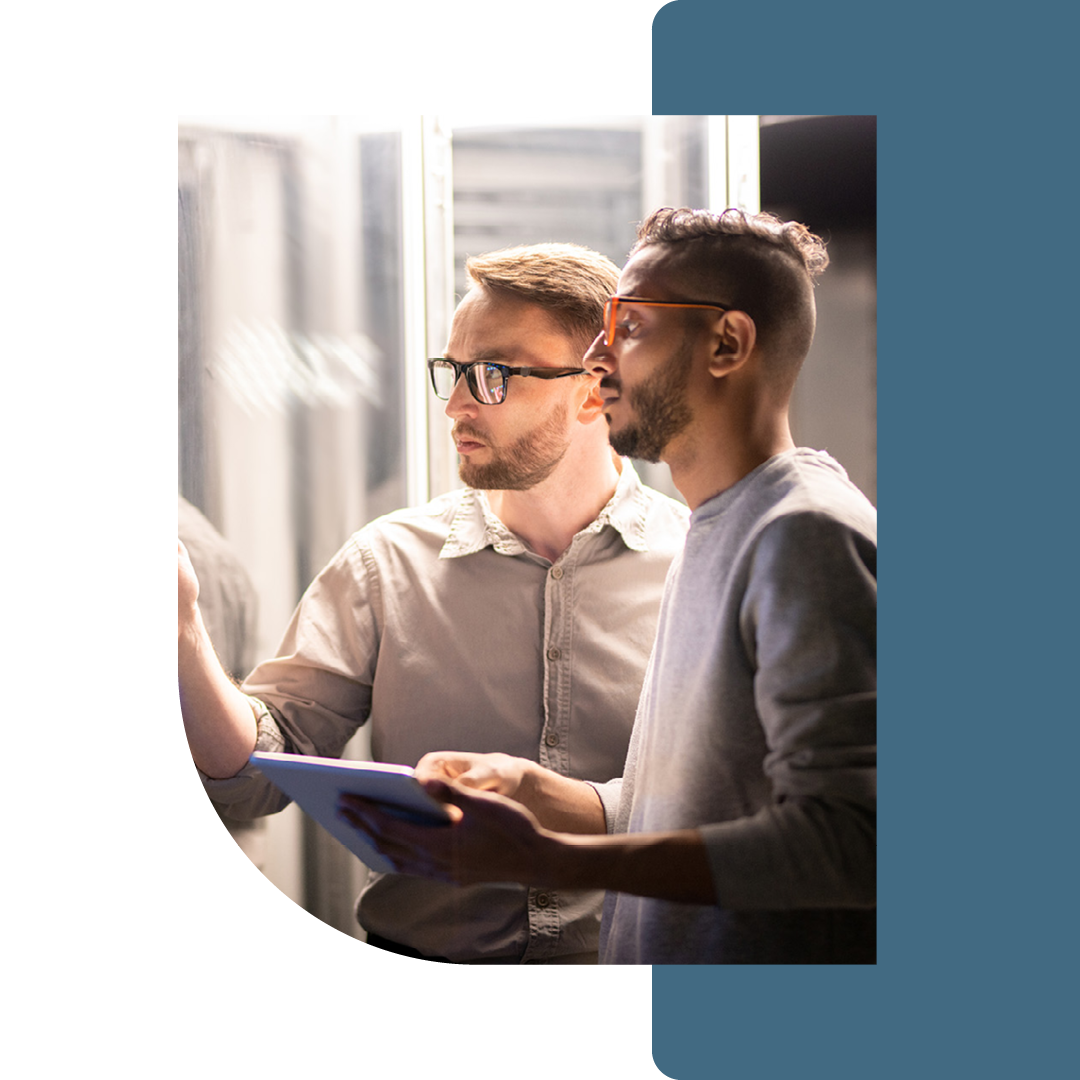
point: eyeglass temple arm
(547, 373)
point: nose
(598, 359)
(461, 402)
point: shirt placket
(554, 751)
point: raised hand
(188, 588)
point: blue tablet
(315, 784)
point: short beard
(523, 464)
(659, 409)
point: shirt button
(553, 653)
(543, 900)
(556, 573)
(552, 738)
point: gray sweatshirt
(757, 724)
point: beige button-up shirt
(438, 627)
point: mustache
(461, 431)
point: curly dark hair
(753, 262)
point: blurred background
(320, 259)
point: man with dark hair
(743, 828)
(513, 615)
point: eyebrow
(486, 356)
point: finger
(382, 810)
(438, 766)
(387, 846)
(356, 818)
(480, 778)
(447, 765)
(408, 849)
(454, 795)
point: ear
(733, 339)
(592, 407)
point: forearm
(494, 837)
(560, 803)
(218, 717)
(666, 866)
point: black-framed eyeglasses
(486, 382)
(611, 310)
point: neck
(548, 516)
(715, 457)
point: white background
(139, 941)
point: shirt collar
(475, 526)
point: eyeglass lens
(487, 382)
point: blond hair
(570, 282)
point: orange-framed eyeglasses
(611, 310)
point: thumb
(474, 801)
(447, 794)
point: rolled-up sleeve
(609, 794)
(311, 697)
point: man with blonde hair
(514, 615)
(743, 829)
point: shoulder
(819, 535)
(816, 543)
(796, 517)
(809, 491)
(431, 517)
(411, 532)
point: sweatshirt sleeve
(808, 624)
(609, 794)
